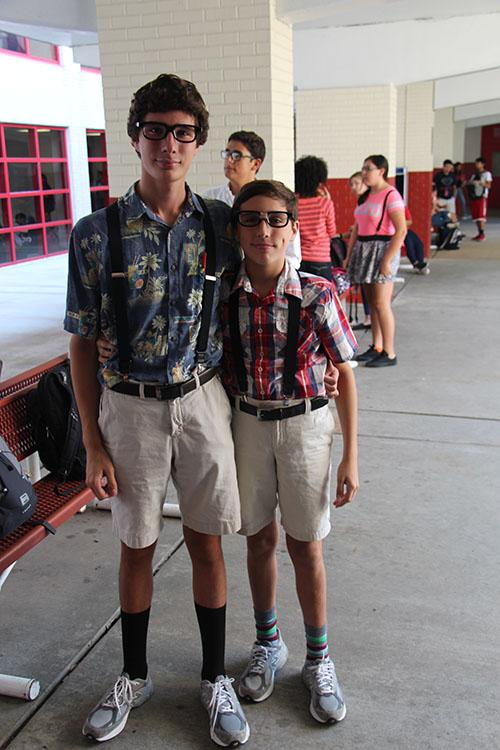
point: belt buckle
(158, 393)
(260, 414)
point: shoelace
(122, 693)
(325, 677)
(258, 659)
(221, 701)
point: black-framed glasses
(274, 219)
(157, 131)
(235, 155)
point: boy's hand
(105, 349)
(100, 474)
(331, 379)
(347, 483)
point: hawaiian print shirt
(324, 333)
(165, 269)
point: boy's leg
(326, 704)
(269, 652)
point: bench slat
(56, 510)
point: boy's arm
(100, 473)
(347, 409)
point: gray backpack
(17, 496)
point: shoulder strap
(209, 284)
(383, 210)
(292, 340)
(236, 346)
(118, 287)
(73, 438)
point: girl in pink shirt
(373, 256)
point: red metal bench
(15, 428)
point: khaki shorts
(285, 464)
(188, 439)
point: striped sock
(266, 625)
(316, 642)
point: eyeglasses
(368, 169)
(157, 131)
(235, 155)
(274, 219)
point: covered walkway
(414, 563)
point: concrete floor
(413, 563)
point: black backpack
(449, 238)
(17, 496)
(57, 429)
(338, 251)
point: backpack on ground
(449, 239)
(17, 496)
(56, 423)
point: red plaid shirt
(324, 333)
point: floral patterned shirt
(165, 270)
(324, 333)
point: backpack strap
(119, 286)
(383, 210)
(290, 365)
(209, 284)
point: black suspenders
(292, 340)
(119, 286)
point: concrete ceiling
(314, 14)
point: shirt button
(259, 330)
(173, 338)
(259, 369)
(173, 267)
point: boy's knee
(307, 554)
(204, 549)
(263, 543)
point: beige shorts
(188, 439)
(285, 464)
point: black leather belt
(164, 392)
(285, 412)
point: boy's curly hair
(167, 93)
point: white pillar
(239, 55)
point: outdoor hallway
(414, 562)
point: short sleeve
(334, 330)
(395, 202)
(85, 264)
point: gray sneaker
(228, 725)
(109, 716)
(257, 681)
(327, 704)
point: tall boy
(280, 328)
(163, 411)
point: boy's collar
(288, 281)
(135, 204)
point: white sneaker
(109, 716)
(228, 725)
(327, 704)
(266, 658)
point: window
(35, 213)
(22, 45)
(98, 169)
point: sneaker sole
(327, 721)
(270, 689)
(235, 743)
(114, 732)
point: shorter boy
(280, 328)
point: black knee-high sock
(212, 623)
(134, 639)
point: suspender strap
(236, 346)
(209, 285)
(119, 286)
(292, 341)
(383, 210)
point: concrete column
(239, 55)
(416, 115)
(343, 126)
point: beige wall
(343, 126)
(238, 55)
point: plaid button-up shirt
(165, 274)
(324, 333)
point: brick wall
(238, 55)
